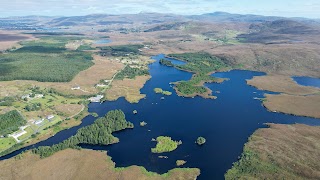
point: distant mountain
(282, 30)
(228, 17)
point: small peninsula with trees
(202, 65)
(166, 62)
(98, 133)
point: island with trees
(165, 144)
(201, 140)
(161, 91)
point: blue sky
(288, 8)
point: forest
(10, 122)
(199, 62)
(131, 73)
(98, 133)
(35, 58)
(121, 50)
(187, 88)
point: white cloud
(307, 8)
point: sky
(286, 8)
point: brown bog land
(294, 98)
(281, 152)
(81, 164)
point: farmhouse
(96, 99)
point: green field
(5, 143)
(45, 60)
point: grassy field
(45, 60)
(6, 142)
(280, 152)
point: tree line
(98, 133)
(10, 122)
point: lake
(225, 122)
(103, 41)
(307, 81)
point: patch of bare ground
(128, 88)
(10, 39)
(294, 98)
(296, 105)
(280, 152)
(81, 164)
(103, 69)
(69, 109)
(74, 45)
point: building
(25, 96)
(75, 88)
(50, 117)
(38, 122)
(96, 99)
(38, 96)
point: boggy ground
(81, 164)
(280, 152)
(294, 98)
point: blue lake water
(103, 41)
(226, 123)
(307, 81)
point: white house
(50, 117)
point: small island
(180, 162)
(201, 140)
(135, 112)
(161, 91)
(143, 123)
(165, 144)
(166, 62)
